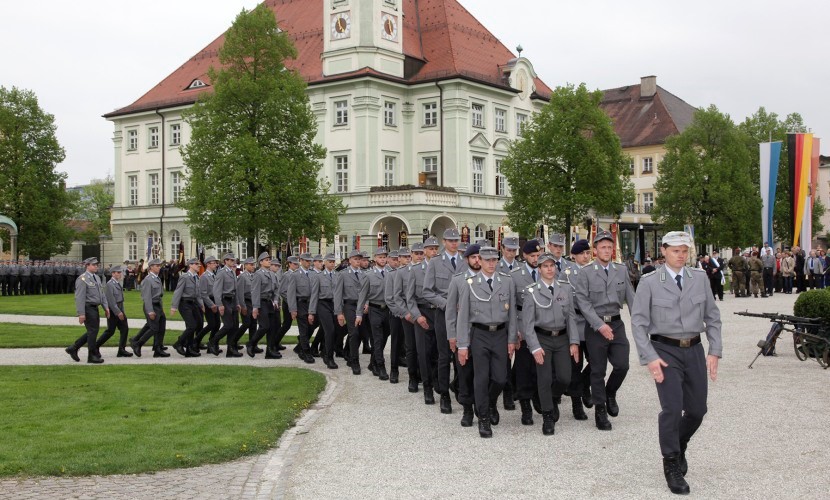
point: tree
(765, 127)
(706, 180)
(33, 193)
(252, 165)
(567, 162)
(95, 206)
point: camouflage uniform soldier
(738, 266)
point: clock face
(389, 27)
(341, 26)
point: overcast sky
(88, 57)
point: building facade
(416, 104)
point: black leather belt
(350, 302)
(156, 303)
(189, 301)
(549, 333)
(426, 305)
(489, 328)
(265, 297)
(330, 301)
(689, 342)
(230, 296)
(382, 307)
(608, 319)
(518, 308)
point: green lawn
(18, 335)
(80, 420)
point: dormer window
(196, 84)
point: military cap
(432, 241)
(462, 247)
(263, 256)
(417, 247)
(393, 254)
(603, 235)
(229, 256)
(472, 250)
(580, 246)
(404, 252)
(305, 256)
(154, 262)
(276, 263)
(209, 259)
(250, 260)
(355, 253)
(488, 253)
(381, 251)
(451, 234)
(544, 257)
(293, 260)
(484, 243)
(531, 246)
(364, 254)
(557, 239)
(317, 257)
(192, 261)
(329, 256)
(510, 242)
(90, 261)
(116, 269)
(677, 238)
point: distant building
(823, 193)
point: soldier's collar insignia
(469, 280)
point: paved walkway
(765, 436)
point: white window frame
(648, 165)
(631, 167)
(243, 249)
(175, 239)
(175, 134)
(430, 114)
(132, 140)
(153, 133)
(389, 164)
(500, 120)
(341, 173)
(154, 188)
(390, 114)
(501, 181)
(479, 232)
(341, 113)
(477, 115)
(223, 248)
(478, 174)
(132, 246)
(430, 164)
(176, 179)
(521, 121)
(132, 189)
(648, 202)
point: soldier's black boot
(446, 404)
(136, 347)
(527, 412)
(555, 411)
(429, 397)
(586, 397)
(674, 477)
(601, 418)
(193, 352)
(382, 373)
(159, 353)
(579, 411)
(123, 353)
(611, 404)
(507, 396)
(180, 349)
(467, 417)
(484, 429)
(494, 413)
(393, 377)
(94, 358)
(73, 353)
(548, 423)
(413, 385)
(684, 466)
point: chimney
(648, 86)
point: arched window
(132, 246)
(175, 239)
(479, 232)
(153, 244)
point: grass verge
(69, 420)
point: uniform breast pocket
(697, 306)
(621, 291)
(442, 281)
(663, 308)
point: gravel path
(766, 433)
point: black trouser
(25, 285)
(37, 280)
(212, 323)
(325, 317)
(445, 355)
(273, 335)
(768, 283)
(366, 337)
(379, 317)
(14, 284)
(4, 284)
(466, 382)
(411, 349)
(396, 340)
(155, 328)
(248, 323)
(799, 281)
(489, 351)
(92, 323)
(558, 360)
(601, 351)
(523, 373)
(716, 286)
(114, 322)
(66, 284)
(192, 317)
(350, 313)
(303, 326)
(265, 316)
(230, 323)
(427, 353)
(580, 377)
(682, 395)
(286, 320)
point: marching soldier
(299, 293)
(117, 318)
(371, 304)
(4, 278)
(321, 308)
(580, 389)
(509, 249)
(550, 331)
(244, 286)
(397, 349)
(152, 291)
(407, 258)
(466, 379)
(346, 292)
(601, 290)
(487, 333)
(285, 280)
(14, 278)
(317, 265)
(67, 274)
(262, 301)
(206, 282)
(672, 306)
(37, 277)
(524, 366)
(423, 315)
(26, 278)
(272, 350)
(738, 266)
(556, 247)
(89, 294)
(224, 295)
(187, 299)
(436, 284)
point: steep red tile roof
(645, 121)
(441, 34)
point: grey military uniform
(506, 268)
(115, 302)
(418, 306)
(206, 283)
(89, 294)
(152, 291)
(524, 366)
(299, 293)
(188, 289)
(115, 297)
(346, 292)
(373, 295)
(224, 287)
(398, 304)
(466, 387)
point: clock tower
(363, 34)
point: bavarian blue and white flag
(770, 156)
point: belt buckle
(492, 328)
(685, 342)
(606, 319)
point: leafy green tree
(252, 164)
(32, 192)
(567, 162)
(95, 206)
(706, 180)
